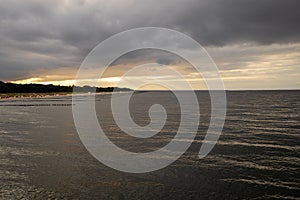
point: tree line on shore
(40, 88)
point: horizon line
(156, 90)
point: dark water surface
(256, 157)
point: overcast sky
(255, 43)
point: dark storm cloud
(148, 56)
(60, 33)
(232, 21)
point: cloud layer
(45, 36)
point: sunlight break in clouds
(254, 43)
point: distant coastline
(13, 91)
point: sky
(254, 43)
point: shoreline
(12, 96)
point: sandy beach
(31, 95)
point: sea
(257, 155)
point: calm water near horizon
(256, 157)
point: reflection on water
(257, 155)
